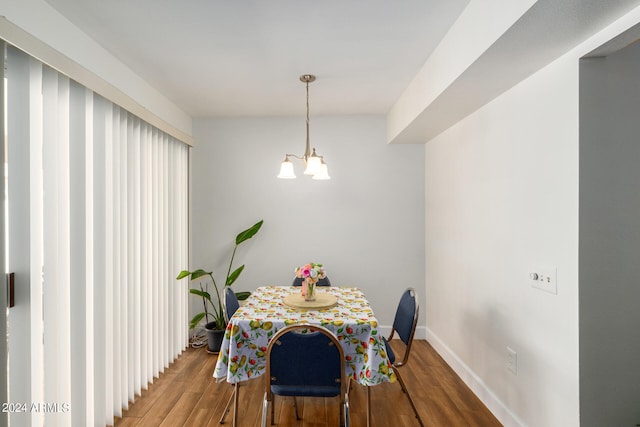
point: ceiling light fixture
(315, 164)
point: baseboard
(475, 383)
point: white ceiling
(244, 58)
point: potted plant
(213, 310)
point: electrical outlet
(512, 360)
(545, 279)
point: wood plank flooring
(187, 395)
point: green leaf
(201, 293)
(243, 295)
(220, 323)
(199, 273)
(183, 274)
(233, 276)
(249, 232)
(196, 319)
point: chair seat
(390, 354)
(303, 390)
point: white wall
(501, 200)
(610, 239)
(366, 224)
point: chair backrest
(404, 324)
(297, 281)
(305, 360)
(230, 302)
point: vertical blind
(97, 233)
(3, 249)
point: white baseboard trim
(475, 383)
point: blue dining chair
(297, 281)
(230, 303)
(404, 324)
(230, 306)
(305, 360)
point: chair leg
(346, 403)
(265, 408)
(235, 405)
(347, 416)
(404, 389)
(226, 408)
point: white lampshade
(313, 165)
(323, 173)
(286, 170)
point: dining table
(347, 313)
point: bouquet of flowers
(310, 273)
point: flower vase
(310, 294)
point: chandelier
(314, 163)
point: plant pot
(214, 337)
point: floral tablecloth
(243, 351)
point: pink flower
(312, 270)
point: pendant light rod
(315, 164)
(306, 79)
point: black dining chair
(305, 360)
(404, 324)
(297, 281)
(230, 306)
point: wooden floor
(187, 395)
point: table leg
(235, 404)
(368, 406)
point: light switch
(544, 279)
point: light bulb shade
(323, 174)
(313, 165)
(286, 170)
